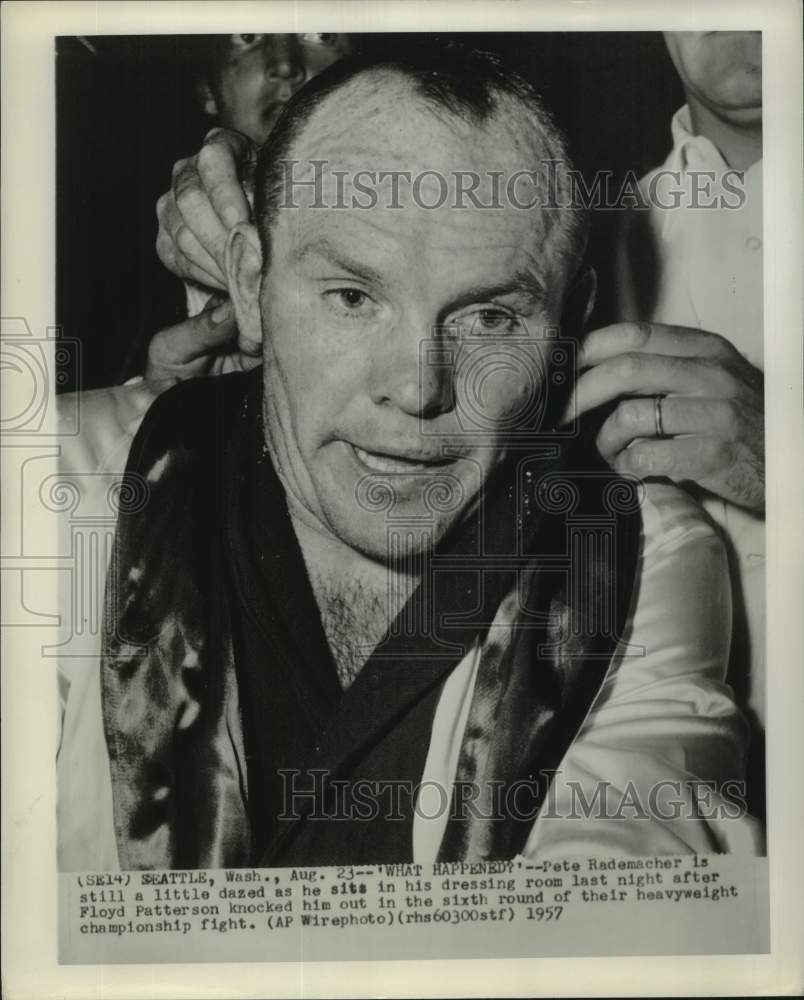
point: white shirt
(702, 268)
(665, 716)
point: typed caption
(520, 907)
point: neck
(738, 142)
(358, 597)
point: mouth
(272, 111)
(385, 463)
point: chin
(739, 91)
(391, 542)
(738, 109)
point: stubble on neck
(357, 598)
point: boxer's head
(403, 204)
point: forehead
(380, 116)
(376, 134)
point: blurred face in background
(721, 69)
(256, 75)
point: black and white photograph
(390, 517)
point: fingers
(636, 418)
(642, 374)
(170, 257)
(179, 249)
(187, 348)
(196, 214)
(205, 201)
(223, 162)
(711, 407)
(652, 338)
(684, 459)
(733, 470)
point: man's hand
(210, 194)
(206, 344)
(711, 408)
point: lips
(273, 110)
(384, 462)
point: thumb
(188, 347)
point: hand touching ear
(711, 407)
(206, 344)
(210, 194)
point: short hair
(467, 83)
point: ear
(243, 265)
(579, 303)
(206, 98)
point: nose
(413, 372)
(284, 60)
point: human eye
(245, 41)
(350, 301)
(322, 38)
(489, 320)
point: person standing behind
(246, 79)
(243, 81)
(697, 263)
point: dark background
(126, 111)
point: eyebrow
(524, 283)
(324, 249)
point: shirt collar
(696, 152)
(693, 151)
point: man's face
(723, 69)
(260, 73)
(353, 420)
